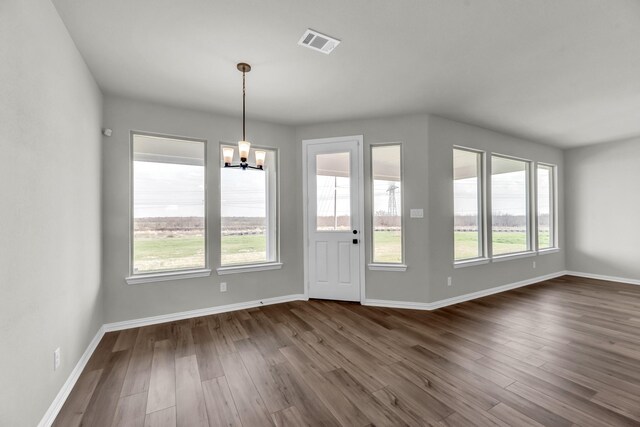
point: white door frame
(305, 204)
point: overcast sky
(244, 195)
(508, 194)
(183, 185)
(156, 183)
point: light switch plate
(417, 213)
(56, 359)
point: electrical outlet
(448, 281)
(223, 286)
(56, 359)
(534, 264)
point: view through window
(168, 204)
(509, 205)
(545, 207)
(386, 167)
(248, 213)
(467, 202)
(333, 192)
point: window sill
(514, 256)
(471, 262)
(163, 277)
(249, 268)
(548, 251)
(387, 267)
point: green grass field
(168, 253)
(466, 243)
(183, 252)
(245, 249)
(387, 246)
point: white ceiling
(562, 72)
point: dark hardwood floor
(563, 352)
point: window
(333, 192)
(468, 204)
(248, 213)
(546, 206)
(510, 205)
(169, 226)
(386, 169)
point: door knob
(355, 231)
(355, 241)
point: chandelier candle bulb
(243, 148)
(227, 153)
(260, 156)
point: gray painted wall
(50, 295)
(604, 207)
(123, 301)
(443, 135)
(412, 132)
(428, 169)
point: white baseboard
(56, 405)
(460, 298)
(54, 409)
(145, 321)
(603, 277)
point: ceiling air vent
(318, 41)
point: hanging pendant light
(244, 146)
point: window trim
(483, 248)
(531, 209)
(548, 251)
(134, 278)
(248, 268)
(514, 255)
(387, 266)
(271, 264)
(172, 275)
(553, 213)
(471, 262)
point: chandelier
(244, 146)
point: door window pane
(545, 207)
(467, 202)
(333, 192)
(509, 205)
(387, 203)
(168, 204)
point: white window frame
(553, 214)
(531, 221)
(483, 216)
(387, 266)
(273, 214)
(138, 278)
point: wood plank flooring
(560, 353)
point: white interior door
(334, 233)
